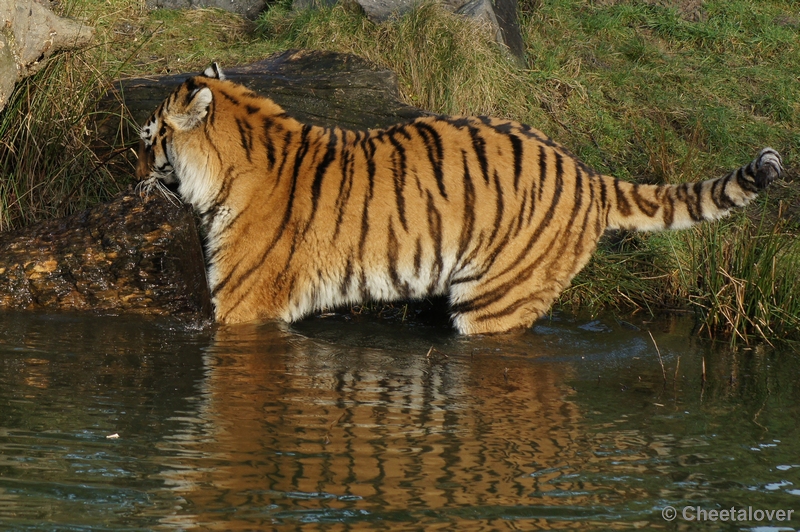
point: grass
(444, 63)
(739, 278)
(634, 88)
(48, 167)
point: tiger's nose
(145, 161)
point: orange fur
(491, 213)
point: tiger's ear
(195, 111)
(214, 71)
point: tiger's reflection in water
(297, 430)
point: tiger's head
(177, 118)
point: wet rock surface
(137, 254)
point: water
(357, 424)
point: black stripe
(497, 244)
(542, 169)
(531, 204)
(362, 240)
(499, 207)
(546, 220)
(297, 237)
(230, 98)
(623, 206)
(583, 236)
(299, 158)
(747, 184)
(368, 149)
(669, 208)
(698, 192)
(417, 257)
(322, 167)
(267, 127)
(435, 232)
(399, 175)
(575, 235)
(516, 145)
(603, 196)
(392, 254)
(684, 193)
(578, 200)
(720, 195)
(433, 145)
(211, 116)
(345, 185)
(479, 146)
(287, 144)
(647, 207)
(191, 87)
(246, 135)
(468, 221)
(347, 278)
(499, 292)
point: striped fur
(491, 213)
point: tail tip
(768, 166)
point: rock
(8, 71)
(135, 254)
(382, 10)
(499, 15)
(247, 8)
(29, 34)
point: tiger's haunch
(491, 213)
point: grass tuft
(740, 279)
(48, 166)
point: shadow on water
(371, 425)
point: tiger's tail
(655, 207)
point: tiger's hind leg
(486, 310)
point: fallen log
(142, 254)
(136, 254)
(321, 88)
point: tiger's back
(491, 213)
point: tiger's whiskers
(152, 185)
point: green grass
(634, 88)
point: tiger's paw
(768, 167)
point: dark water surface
(337, 424)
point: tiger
(489, 213)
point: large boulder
(29, 34)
